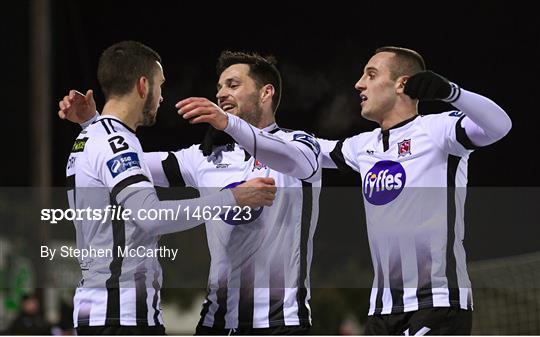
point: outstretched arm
(327, 146)
(253, 193)
(297, 157)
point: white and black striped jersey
(114, 290)
(259, 271)
(106, 169)
(414, 177)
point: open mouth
(227, 107)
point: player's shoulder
(447, 116)
(190, 156)
(193, 152)
(109, 136)
(299, 136)
(290, 134)
(362, 138)
(284, 132)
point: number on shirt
(118, 144)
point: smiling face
(238, 93)
(378, 87)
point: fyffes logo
(234, 218)
(384, 182)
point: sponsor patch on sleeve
(309, 141)
(79, 144)
(456, 113)
(123, 162)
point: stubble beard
(149, 118)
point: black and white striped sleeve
(485, 122)
(166, 169)
(337, 154)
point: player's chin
(150, 119)
(365, 112)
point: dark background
(492, 49)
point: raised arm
(297, 156)
(485, 121)
(78, 108)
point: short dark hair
(262, 69)
(409, 62)
(122, 64)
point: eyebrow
(371, 69)
(228, 81)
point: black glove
(213, 138)
(427, 85)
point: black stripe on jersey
(205, 309)
(339, 159)
(315, 169)
(112, 316)
(386, 140)
(141, 308)
(424, 292)
(254, 142)
(172, 171)
(119, 122)
(157, 287)
(137, 178)
(380, 283)
(70, 184)
(105, 126)
(277, 292)
(451, 272)
(83, 317)
(221, 293)
(396, 278)
(70, 181)
(462, 136)
(110, 124)
(245, 303)
(301, 295)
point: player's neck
(267, 119)
(398, 115)
(124, 111)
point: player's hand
(201, 110)
(255, 192)
(427, 85)
(76, 107)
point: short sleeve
(344, 155)
(181, 166)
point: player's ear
(142, 87)
(400, 84)
(267, 92)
